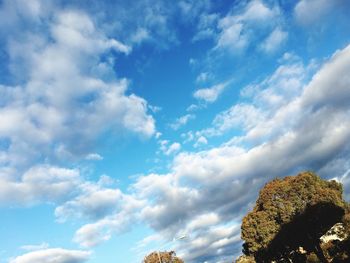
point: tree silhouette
(291, 213)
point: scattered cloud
(174, 147)
(157, 135)
(193, 107)
(206, 27)
(265, 100)
(141, 35)
(183, 120)
(94, 157)
(203, 77)
(314, 135)
(94, 202)
(37, 121)
(314, 132)
(243, 116)
(191, 10)
(292, 120)
(213, 245)
(154, 109)
(92, 234)
(168, 148)
(274, 41)
(235, 29)
(53, 255)
(211, 94)
(201, 141)
(39, 184)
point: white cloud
(158, 135)
(214, 245)
(310, 11)
(211, 94)
(239, 116)
(174, 147)
(140, 35)
(35, 247)
(39, 184)
(268, 98)
(204, 220)
(169, 149)
(94, 202)
(222, 182)
(235, 29)
(203, 77)
(181, 121)
(232, 37)
(154, 109)
(191, 10)
(94, 157)
(92, 234)
(76, 30)
(64, 101)
(292, 126)
(11, 12)
(206, 26)
(67, 64)
(330, 84)
(274, 40)
(53, 255)
(201, 141)
(193, 107)
(257, 11)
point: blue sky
(125, 125)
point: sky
(126, 125)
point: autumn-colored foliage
(290, 213)
(162, 257)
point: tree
(162, 257)
(291, 213)
(337, 246)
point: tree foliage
(292, 212)
(338, 250)
(162, 257)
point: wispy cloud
(35, 247)
(181, 121)
(266, 99)
(94, 157)
(274, 41)
(169, 148)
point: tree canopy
(291, 213)
(162, 257)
